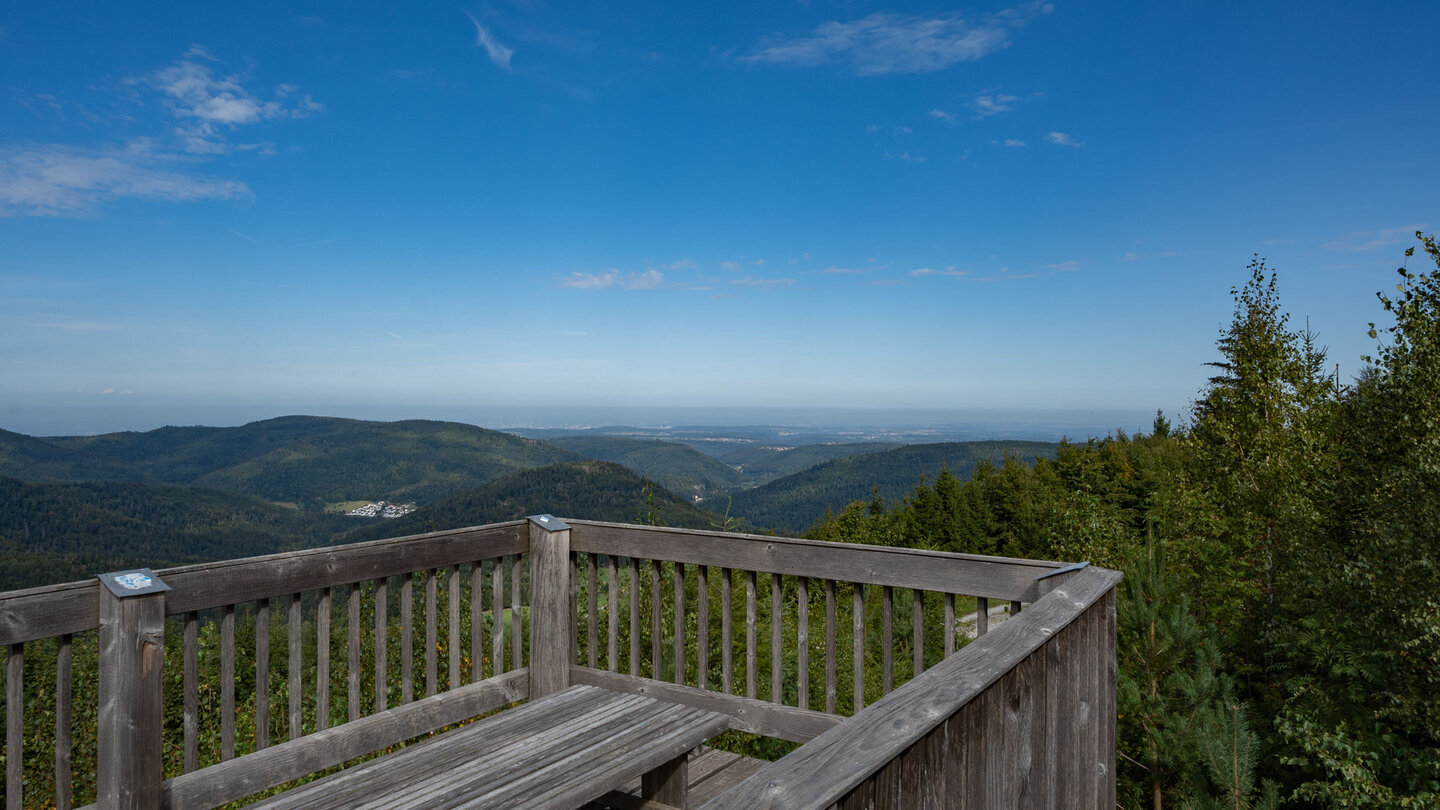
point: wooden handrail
(825, 770)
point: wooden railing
(789, 637)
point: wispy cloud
(905, 156)
(1069, 266)
(842, 271)
(1013, 143)
(641, 280)
(63, 181)
(950, 271)
(986, 105)
(885, 43)
(1362, 241)
(940, 114)
(751, 281)
(1062, 139)
(499, 54)
(208, 106)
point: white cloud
(1069, 266)
(1014, 142)
(1362, 241)
(905, 156)
(885, 43)
(499, 54)
(61, 181)
(842, 270)
(209, 106)
(1062, 139)
(763, 282)
(947, 271)
(642, 280)
(987, 105)
(941, 114)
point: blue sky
(446, 210)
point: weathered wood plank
(746, 714)
(592, 601)
(295, 665)
(777, 639)
(129, 759)
(262, 674)
(453, 652)
(190, 687)
(702, 626)
(831, 689)
(551, 621)
(64, 687)
(827, 768)
(382, 646)
(633, 566)
(1108, 717)
(497, 614)
(727, 649)
(322, 660)
(750, 634)
(887, 640)
(477, 621)
(949, 624)
(677, 573)
(517, 628)
(1000, 577)
(227, 682)
(238, 778)
(917, 618)
(857, 644)
(668, 784)
(657, 630)
(432, 674)
(14, 726)
(802, 640)
(982, 616)
(407, 637)
(352, 650)
(612, 614)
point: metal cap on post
(551, 624)
(129, 761)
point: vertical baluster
(517, 635)
(382, 645)
(657, 664)
(831, 691)
(295, 666)
(227, 683)
(633, 565)
(702, 626)
(454, 634)
(678, 574)
(407, 638)
(432, 642)
(750, 634)
(917, 614)
(727, 652)
(802, 640)
(497, 614)
(592, 601)
(262, 674)
(352, 648)
(1014, 608)
(949, 624)
(982, 616)
(64, 660)
(477, 621)
(322, 660)
(777, 636)
(190, 686)
(573, 576)
(612, 614)
(887, 652)
(15, 727)
(857, 619)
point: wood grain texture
(295, 665)
(727, 648)
(128, 767)
(831, 689)
(64, 686)
(352, 651)
(14, 725)
(777, 639)
(322, 660)
(1001, 577)
(702, 626)
(382, 647)
(407, 637)
(190, 689)
(262, 674)
(802, 640)
(234, 780)
(550, 617)
(227, 682)
(633, 566)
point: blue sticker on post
(133, 582)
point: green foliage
(676, 467)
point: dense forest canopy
(1279, 622)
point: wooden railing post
(128, 767)
(551, 622)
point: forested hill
(307, 461)
(582, 490)
(795, 502)
(676, 467)
(57, 532)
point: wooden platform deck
(712, 772)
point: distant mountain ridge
(679, 468)
(792, 504)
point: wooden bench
(560, 751)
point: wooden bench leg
(669, 783)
